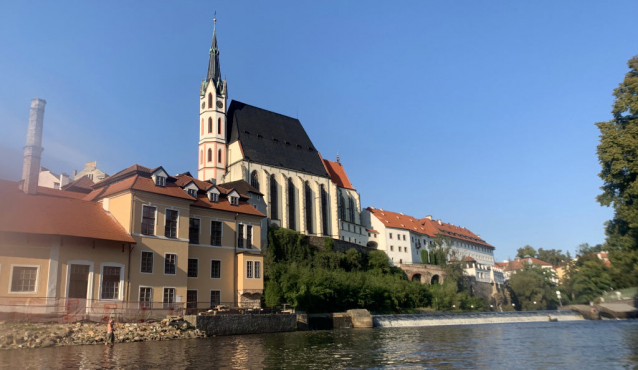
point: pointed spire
(214, 72)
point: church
(273, 153)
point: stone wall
(242, 324)
(339, 245)
(494, 294)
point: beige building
(52, 180)
(90, 171)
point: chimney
(428, 217)
(33, 149)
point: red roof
(425, 226)
(81, 185)
(52, 215)
(59, 193)
(517, 264)
(337, 174)
(137, 182)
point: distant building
(52, 180)
(91, 171)
(519, 263)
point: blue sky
(480, 114)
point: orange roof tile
(224, 205)
(59, 193)
(337, 174)
(137, 182)
(517, 264)
(51, 215)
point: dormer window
(160, 181)
(213, 197)
(192, 193)
(234, 201)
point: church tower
(212, 116)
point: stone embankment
(34, 335)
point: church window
(210, 101)
(274, 202)
(351, 206)
(324, 209)
(342, 207)
(219, 126)
(291, 205)
(254, 180)
(219, 156)
(210, 125)
(309, 229)
(210, 155)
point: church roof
(338, 174)
(273, 139)
(241, 186)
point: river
(539, 345)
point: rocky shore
(35, 335)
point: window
(324, 210)
(234, 201)
(210, 125)
(170, 263)
(193, 231)
(392, 248)
(148, 220)
(254, 180)
(24, 279)
(210, 155)
(214, 197)
(215, 298)
(309, 201)
(219, 126)
(249, 269)
(240, 236)
(111, 282)
(215, 269)
(56, 185)
(192, 193)
(390, 235)
(146, 297)
(219, 156)
(216, 233)
(351, 210)
(249, 236)
(171, 224)
(342, 207)
(169, 298)
(404, 237)
(193, 267)
(274, 201)
(146, 262)
(160, 181)
(291, 205)
(210, 101)
(399, 249)
(257, 270)
(191, 299)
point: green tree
(587, 279)
(553, 256)
(532, 284)
(526, 251)
(618, 156)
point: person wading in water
(110, 332)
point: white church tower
(212, 115)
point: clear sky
(479, 113)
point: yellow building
(139, 239)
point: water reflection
(576, 345)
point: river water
(564, 345)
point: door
(78, 286)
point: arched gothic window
(210, 155)
(210, 125)
(291, 205)
(274, 200)
(342, 207)
(351, 210)
(254, 180)
(210, 101)
(219, 156)
(308, 191)
(219, 126)
(324, 210)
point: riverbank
(36, 335)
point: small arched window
(219, 126)
(210, 155)
(254, 180)
(210, 125)
(219, 156)
(201, 156)
(210, 100)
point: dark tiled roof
(241, 186)
(273, 139)
(52, 215)
(81, 185)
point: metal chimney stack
(33, 149)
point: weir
(440, 319)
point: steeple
(214, 72)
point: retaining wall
(242, 324)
